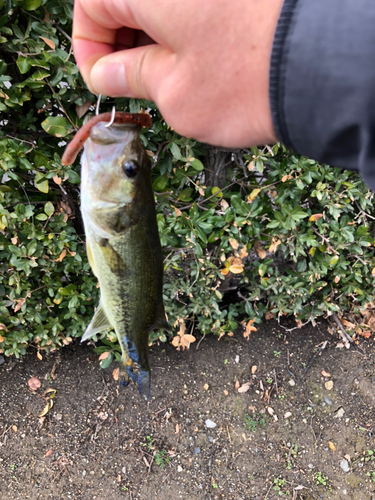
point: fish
(122, 238)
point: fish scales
(123, 245)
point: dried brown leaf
(236, 384)
(83, 108)
(20, 303)
(61, 256)
(233, 243)
(39, 356)
(253, 369)
(177, 211)
(48, 453)
(46, 409)
(116, 373)
(249, 328)
(57, 180)
(259, 250)
(325, 374)
(331, 446)
(275, 243)
(49, 42)
(315, 217)
(104, 355)
(244, 388)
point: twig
(277, 389)
(269, 489)
(313, 359)
(200, 341)
(294, 328)
(341, 326)
(325, 240)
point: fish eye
(130, 168)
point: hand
(205, 64)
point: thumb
(137, 72)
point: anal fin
(98, 323)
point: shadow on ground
(198, 437)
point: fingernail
(109, 79)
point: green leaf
(160, 183)
(41, 182)
(105, 363)
(57, 126)
(49, 208)
(73, 177)
(197, 164)
(32, 4)
(24, 64)
(175, 150)
(41, 217)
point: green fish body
(123, 245)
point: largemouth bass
(122, 239)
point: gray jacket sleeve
(322, 82)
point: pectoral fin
(98, 323)
(90, 257)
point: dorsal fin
(98, 323)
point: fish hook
(98, 104)
(112, 117)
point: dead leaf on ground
(46, 409)
(51, 391)
(116, 374)
(244, 388)
(182, 339)
(14, 428)
(104, 355)
(269, 315)
(325, 374)
(249, 328)
(3, 327)
(39, 356)
(48, 453)
(253, 369)
(331, 446)
(34, 383)
(236, 384)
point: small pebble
(287, 414)
(179, 468)
(291, 382)
(329, 385)
(197, 450)
(344, 465)
(2, 360)
(210, 438)
(328, 401)
(210, 424)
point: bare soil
(283, 438)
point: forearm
(322, 82)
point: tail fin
(131, 369)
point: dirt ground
(198, 437)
